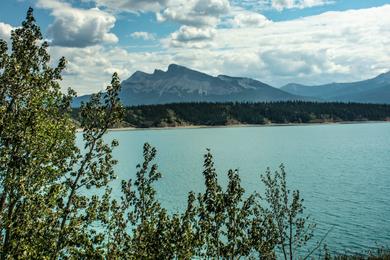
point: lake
(342, 171)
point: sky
(275, 41)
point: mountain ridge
(180, 84)
(374, 90)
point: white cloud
(280, 4)
(334, 46)
(73, 27)
(184, 12)
(241, 18)
(90, 69)
(199, 19)
(5, 31)
(288, 4)
(131, 5)
(197, 13)
(212, 7)
(281, 63)
(143, 35)
(196, 17)
(188, 36)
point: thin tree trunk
(290, 237)
(8, 230)
(72, 193)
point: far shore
(236, 126)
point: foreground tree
(293, 229)
(36, 138)
(41, 169)
(232, 225)
(50, 205)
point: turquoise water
(342, 171)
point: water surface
(342, 170)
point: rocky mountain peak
(173, 68)
(181, 84)
(384, 77)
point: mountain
(181, 84)
(375, 90)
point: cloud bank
(143, 35)
(5, 31)
(280, 5)
(74, 27)
(288, 4)
(333, 46)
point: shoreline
(121, 129)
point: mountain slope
(180, 84)
(376, 90)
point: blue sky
(275, 41)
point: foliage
(43, 213)
(292, 229)
(217, 223)
(230, 225)
(36, 138)
(212, 114)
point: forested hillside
(214, 114)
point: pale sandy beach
(236, 126)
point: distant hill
(376, 90)
(181, 84)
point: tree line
(219, 114)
